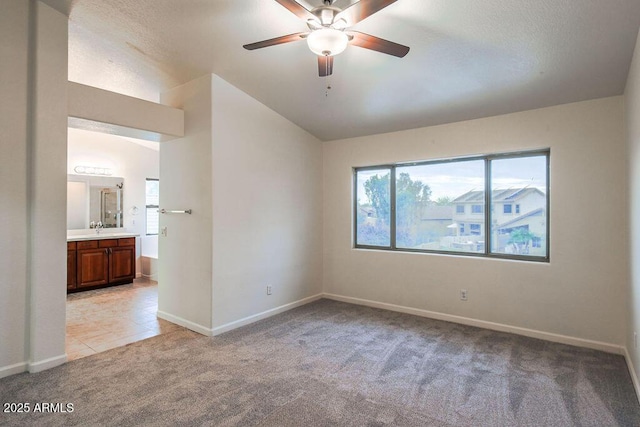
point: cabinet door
(71, 270)
(93, 267)
(122, 264)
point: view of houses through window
(519, 205)
(440, 206)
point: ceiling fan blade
(361, 10)
(325, 66)
(297, 9)
(379, 45)
(278, 40)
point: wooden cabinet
(103, 263)
(122, 261)
(92, 265)
(71, 265)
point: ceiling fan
(330, 31)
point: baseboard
(263, 315)
(17, 368)
(43, 365)
(195, 327)
(563, 339)
(632, 372)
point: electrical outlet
(268, 289)
(463, 294)
(163, 232)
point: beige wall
(48, 189)
(254, 182)
(33, 118)
(184, 275)
(632, 116)
(267, 208)
(579, 294)
(14, 50)
(92, 108)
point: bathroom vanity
(100, 260)
(98, 255)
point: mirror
(91, 199)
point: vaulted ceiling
(468, 59)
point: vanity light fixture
(92, 170)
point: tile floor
(103, 319)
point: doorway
(99, 319)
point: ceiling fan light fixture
(327, 42)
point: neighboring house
(435, 220)
(513, 208)
(468, 213)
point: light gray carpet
(335, 364)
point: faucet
(98, 227)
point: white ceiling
(468, 59)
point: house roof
(498, 195)
(513, 221)
(433, 213)
(470, 196)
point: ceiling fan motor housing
(326, 14)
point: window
(420, 214)
(425, 196)
(373, 207)
(413, 207)
(152, 197)
(475, 229)
(522, 179)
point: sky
(453, 179)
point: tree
(520, 238)
(411, 198)
(444, 201)
(377, 190)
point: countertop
(101, 236)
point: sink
(95, 236)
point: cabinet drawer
(71, 246)
(107, 243)
(128, 241)
(87, 244)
